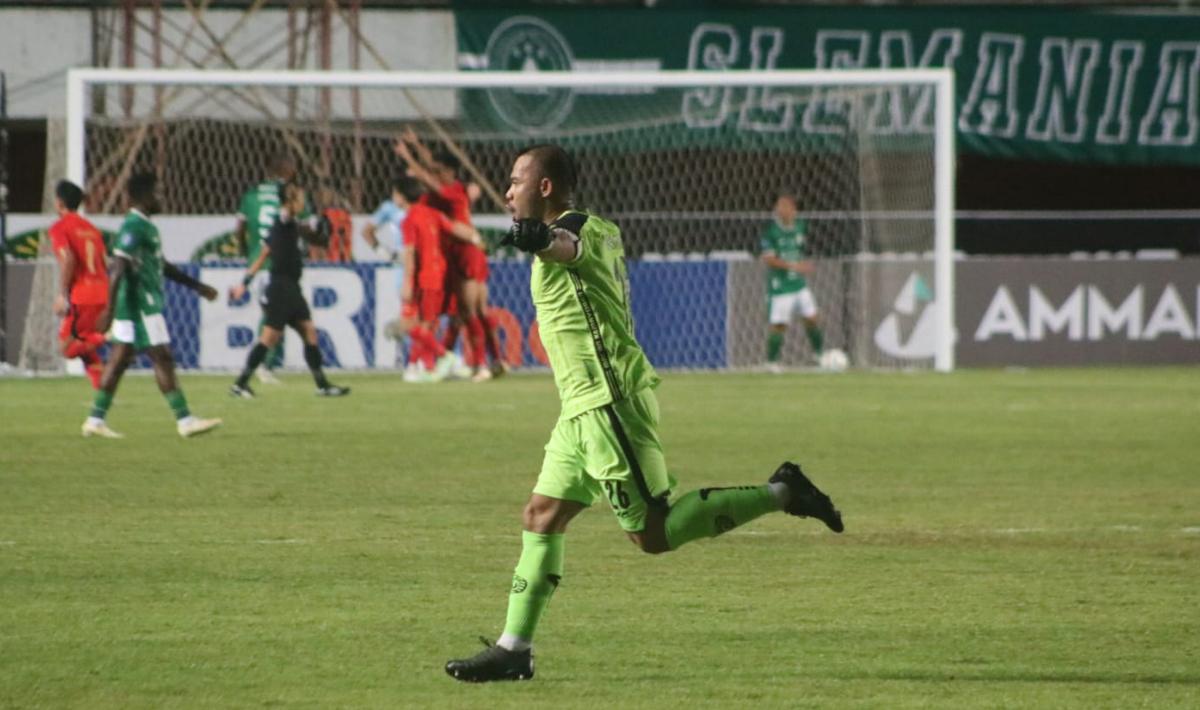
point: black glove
(529, 235)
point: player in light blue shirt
(387, 219)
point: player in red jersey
(83, 280)
(428, 234)
(468, 267)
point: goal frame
(79, 81)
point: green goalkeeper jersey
(787, 243)
(141, 289)
(585, 321)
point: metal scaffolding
(130, 33)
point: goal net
(688, 164)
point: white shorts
(146, 332)
(784, 306)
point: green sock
(178, 403)
(774, 346)
(709, 512)
(534, 581)
(816, 338)
(275, 356)
(100, 403)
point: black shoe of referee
(331, 390)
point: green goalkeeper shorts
(614, 452)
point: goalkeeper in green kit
(605, 443)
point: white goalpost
(688, 163)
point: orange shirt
(427, 230)
(89, 285)
(338, 249)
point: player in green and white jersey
(137, 301)
(256, 215)
(605, 443)
(784, 251)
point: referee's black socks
(312, 356)
(258, 353)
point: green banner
(1059, 84)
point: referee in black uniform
(285, 304)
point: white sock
(513, 643)
(185, 421)
(94, 421)
(781, 493)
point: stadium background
(1120, 190)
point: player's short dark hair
(555, 164)
(445, 157)
(70, 194)
(786, 194)
(410, 187)
(141, 186)
(398, 182)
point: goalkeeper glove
(529, 235)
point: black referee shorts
(284, 304)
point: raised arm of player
(422, 151)
(66, 277)
(180, 277)
(415, 168)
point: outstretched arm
(178, 276)
(534, 236)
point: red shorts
(469, 262)
(430, 304)
(79, 321)
(473, 263)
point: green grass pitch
(1014, 539)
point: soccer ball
(834, 360)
